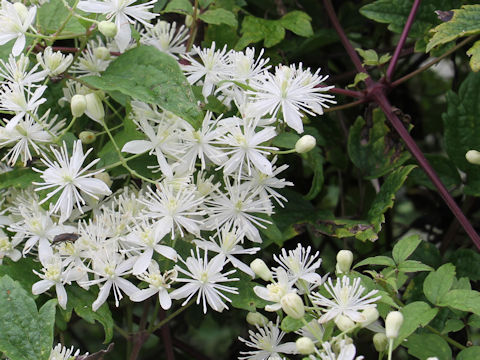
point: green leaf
(445, 169)
(358, 78)
(298, 22)
(413, 266)
(246, 298)
(462, 129)
(371, 147)
(290, 324)
(474, 53)
(395, 13)
(286, 140)
(474, 321)
(25, 333)
(315, 161)
(52, 15)
(415, 314)
(179, 7)
(465, 22)
(467, 263)
(343, 228)
(453, 325)
(471, 353)
(218, 17)
(21, 271)
(423, 346)
(81, 302)
(19, 178)
(437, 283)
(376, 260)
(156, 78)
(405, 247)
(370, 57)
(463, 300)
(384, 199)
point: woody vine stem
(376, 92)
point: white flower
(7, 247)
(228, 245)
(157, 283)
(275, 291)
(165, 37)
(205, 278)
(124, 14)
(17, 71)
(60, 352)
(244, 147)
(172, 209)
(109, 268)
(267, 342)
(15, 19)
(54, 63)
(88, 63)
(347, 300)
(292, 90)
(346, 352)
(66, 176)
(212, 69)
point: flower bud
(261, 269)
(78, 105)
(255, 318)
(380, 341)
(393, 322)
(344, 261)
(94, 110)
(305, 345)
(370, 314)
(104, 177)
(473, 157)
(344, 323)
(107, 28)
(87, 137)
(101, 53)
(305, 144)
(188, 20)
(293, 306)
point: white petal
(137, 146)
(142, 262)
(164, 298)
(41, 286)
(143, 294)
(102, 295)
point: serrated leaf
(179, 7)
(405, 247)
(81, 302)
(415, 314)
(156, 78)
(376, 260)
(445, 169)
(219, 16)
(437, 283)
(372, 149)
(463, 300)
(246, 298)
(395, 13)
(471, 353)
(424, 346)
(462, 129)
(413, 266)
(25, 333)
(256, 29)
(474, 53)
(298, 22)
(465, 21)
(384, 199)
(467, 263)
(370, 57)
(51, 16)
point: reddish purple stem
(401, 42)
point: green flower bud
(107, 28)
(344, 323)
(393, 322)
(344, 261)
(101, 53)
(78, 105)
(87, 137)
(305, 144)
(473, 157)
(292, 305)
(255, 318)
(94, 110)
(261, 269)
(188, 20)
(305, 345)
(380, 341)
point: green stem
(121, 331)
(390, 348)
(71, 13)
(171, 316)
(193, 29)
(154, 316)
